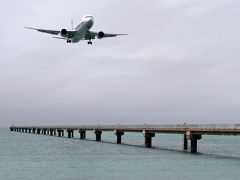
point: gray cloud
(180, 63)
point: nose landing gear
(69, 41)
(89, 42)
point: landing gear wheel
(90, 42)
(69, 41)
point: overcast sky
(179, 63)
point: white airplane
(81, 32)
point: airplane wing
(45, 30)
(70, 33)
(93, 34)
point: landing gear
(89, 42)
(69, 41)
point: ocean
(29, 156)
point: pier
(191, 132)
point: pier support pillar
(193, 145)
(148, 138)
(60, 132)
(185, 142)
(70, 133)
(82, 134)
(119, 135)
(194, 138)
(26, 130)
(98, 135)
(33, 130)
(38, 131)
(44, 131)
(51, 132)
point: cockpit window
(88, 17)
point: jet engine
(100, 35)
(63, 33)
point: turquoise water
(28, 156)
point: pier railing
(146, 126)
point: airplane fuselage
(81, 30)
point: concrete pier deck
(191, 132)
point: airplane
(81, 32)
